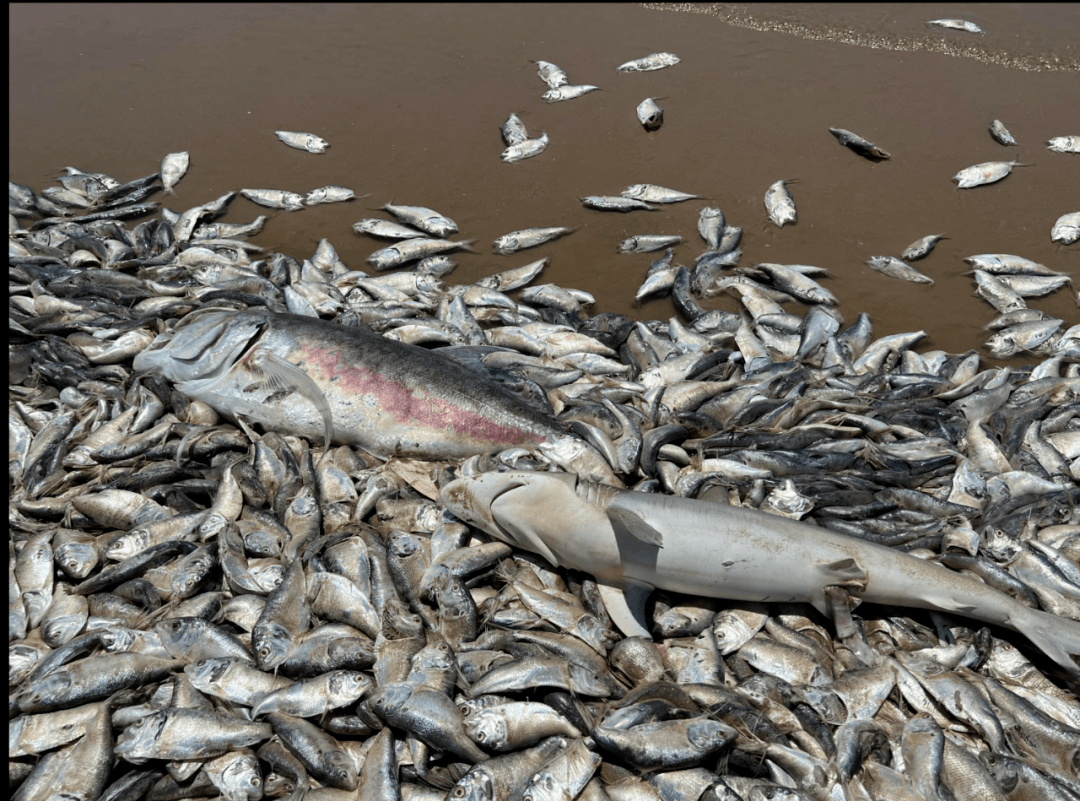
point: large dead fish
(313, 378)
(633, 542)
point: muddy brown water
(410, 98)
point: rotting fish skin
(380, 395)
(629, 554)
(921, 248)
(1064, 144)
(649, 114)
(1066, 230)
(654, 61)
(1001, 134)
(173, 167)
(894, 268)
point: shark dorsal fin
(637, 527)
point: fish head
(206, 672)
(709, 735)
(515, 507)
(341, 767)
(136, 742)
(543, 786)
(178, 634)
(272, 644)
(241, 780)
(346, 686)
(488, 728)
(204, 345)
(390, 698)
(476, 785)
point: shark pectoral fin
(626, 606)
(844, 573)
(637, 527)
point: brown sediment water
(410, 98)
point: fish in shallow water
(634, 542)
(861, 146)
(303, 141)
(780, 204)
(654, 61)
(300, 375)
(956, 25)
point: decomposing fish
(275, 198)
(303, 141)
(334, 383)
(635, 542)
(646, 243)
(921, 248)
(567, 92)
(859, 145)
(654, 61)
(328, 194)
(986, 173)
(173, 168)
(656, 194)
(525, 149)
(513, 131)
(1066, 229)
(956, 24)
(1064, 144)
(550, 74)
(528, 238)
(780, 204)
(895, 268)
(649, 114)
(610, 203)
(427, 220)
(1001, 134)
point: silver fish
(654, 61)
(275, 198)
(1066, 229)
(921, 248)
(656, 194)
(1064, 144)
(527, 238)
(550, 74)
(305, 376)
(780, 204)
(895, 268)
(606, 203)
(986, 173)
(567, 93)
(861, 146)
(1001, 134)
(526, 149)
(173, 167)
(646, 243)
(329, 194)
(956, 24)
(513, 131)
(649, 114)
(303, 141)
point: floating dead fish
(780, 204)
(328, 194)
(1066, 229)
(1001, 134)
(1064, 144)
(921, 248)
(654, 61)
(528, 238)
(303, 141)
(986, 173)
(956, 24)
(649, 114)
(526, 149)
(274, 198)
(173, 168)
(567, 93)
(646, 243)
(606, 203)
(859, 145)
(513, 131)
(656, 194)
(550, 74)
(894, 268)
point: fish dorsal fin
(280, 374)
(638, 528)
(626, 606)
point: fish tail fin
(1057, 637)
(467, 244)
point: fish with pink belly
(332, 383)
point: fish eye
(459, 792)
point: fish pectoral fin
(280, 374)
(637, 527)
(626, 606)
(846, 573)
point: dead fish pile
(207, 599)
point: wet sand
(411, 97)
